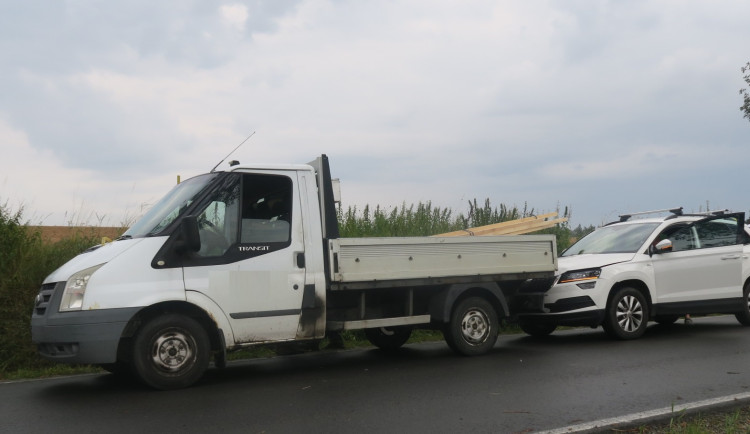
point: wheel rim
(475, 326)
(173, 351)
(387, 331)
(629, 313)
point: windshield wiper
(123, 237)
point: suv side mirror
(662, 246)
(189, 238)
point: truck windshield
(626, 238)
(170, 207)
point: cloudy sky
(603, 106)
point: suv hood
(580, 262)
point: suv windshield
(170, 207)
(627, 238)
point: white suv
(629, 272)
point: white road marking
(646, 415)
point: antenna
(238, 146)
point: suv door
(703, 272)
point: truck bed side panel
(378, 259)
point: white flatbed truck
(252, 256)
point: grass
(727, 421)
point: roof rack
(718, 212)
(675, 211)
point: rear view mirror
(663, 246)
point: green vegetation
(25, 260)
(424, 219)
(727, 421)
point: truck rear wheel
(388, 338)
(627, 314)
(473, 327)
(170, 352)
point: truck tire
(537, 329)
(388, 338)
(744, 315)
(473, 328)
(171, 352)
(627, 314)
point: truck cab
(229, 252)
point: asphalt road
(524, 385)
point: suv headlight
(75, 288)
(578, 275)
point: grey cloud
(64, 36)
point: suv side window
(717, 233)
(681, 235)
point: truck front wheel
(473, 327)
(388, 338)
(171, 351)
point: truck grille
(42, 299)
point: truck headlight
(579, 275)
(75, 288)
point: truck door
(251, 260)
(704, 264)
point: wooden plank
(502, 227)
(532, 227)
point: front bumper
(88, 337)
(566, 305)
(586, 318)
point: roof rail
(675, 211)
(707, 213)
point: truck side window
(217, 223)
(266, 209)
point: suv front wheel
(627, 314)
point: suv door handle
(725, 257)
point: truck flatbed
(358, 263)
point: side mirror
(662, 246)
(189, 238)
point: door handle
(300, 260)
(725, 257)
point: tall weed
(24, 263)
(424, 219)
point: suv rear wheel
(744, 316)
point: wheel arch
(639, 285)
(442, 305)
(215, 335)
